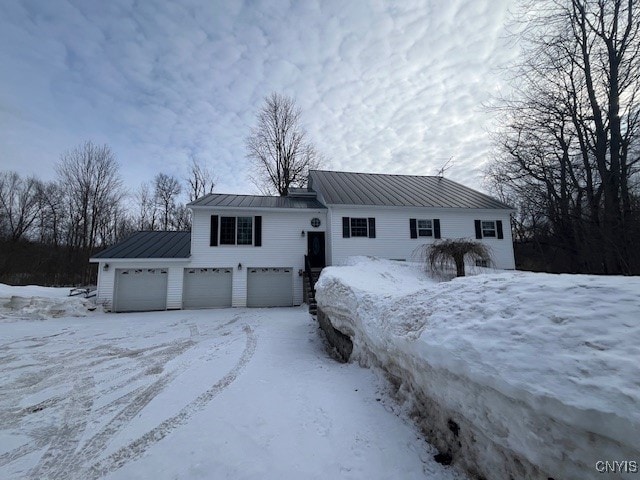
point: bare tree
(181, 219)
(18, 204)
(50, 206)
(201, 180)
(89, 176)
(166, 191)
(278, 146)
(146, 217)
(573, 124)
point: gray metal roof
(255, 201)
(346, 188)
(150, 245)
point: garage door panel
(207, 287)
(141, 290)
(270, 287)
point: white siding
(106, 280)
(282, 246)
(393, 236)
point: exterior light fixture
(105, 267)
(302, 233)
(239, 266)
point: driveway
(233, 393)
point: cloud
(394, 88)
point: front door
(315, 249)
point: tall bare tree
(166, 191)
(278, 147)
(573, 125)
(201, 180)
(18, 204)
(89, 175)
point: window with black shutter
(489, 229)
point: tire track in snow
(96, 444)
(21, 451)
(135, 449)
(68, 437)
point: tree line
(50, 229)
(569, 147)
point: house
(246, 250)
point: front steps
(309, 294)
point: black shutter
(257, 241)
(478, 229)
(413, 228)
(436, 228)
(499, 228)
(346, 230)
(213, 239)
(372, 228)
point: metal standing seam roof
(150, 245)
(255, 201)
(347, 188)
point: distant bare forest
(49, 230)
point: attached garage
(270, 287)
(207, 287)
(140, 289)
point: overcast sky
(385, 87)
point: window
(425, 228)
(227, 230)
(315, 222)
(488, 228)
(245, 231)
(359, 227)
(482, 263)
(236, 231)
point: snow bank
(523, 374)
(37, 302)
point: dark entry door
(315, 249)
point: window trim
(493, 230)
(428, 230)
(366, 227)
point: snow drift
(35, 302)
(513, 374)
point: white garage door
(141, 289)
(207, 287)
(269, 287)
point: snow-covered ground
(208, 394)
(539, 373)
